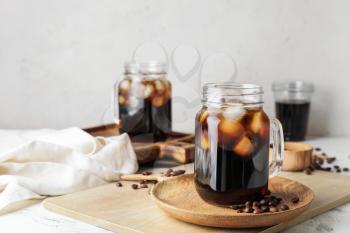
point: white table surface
(37, 219)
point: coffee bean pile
(267, 204)
(171, 172)
(319, 162)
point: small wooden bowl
(297, 156)
(178, 198)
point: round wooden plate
(179, 199)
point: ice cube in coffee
(144, 99)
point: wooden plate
(179, 199)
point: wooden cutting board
(178, 146)
(127, 210)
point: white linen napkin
(61, 162)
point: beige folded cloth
(60, 162)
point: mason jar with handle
(143, 100)
(232, 141)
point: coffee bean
(255, 203)
(258, 211)
(307, 171)
(330, 159)
(248, 210)
(311, 167)
(327, 169)
(134, 186)
(264, 208)
(319, 161)
(324, 154)
(273, 202)
(153, 181)
(248, 203)
(345, 169)
(316, 166)
(146, 173)
(239, 211)
(338, 170)
(336, 166)
(143, 181)
(168, 172)
(178, 172)
(295, 200)
(273, 209)
(279, 199)
(318, 149)
(263, 202)
(118, 184)
(284, 207)
(143, 186)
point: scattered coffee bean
(284, 207)
(318, 149)
(256, 204)
(330, 159)
(118, 184)
(134, 186)
(264, 208)
(143, 186)
(327, 169)
(178, 172)
(324, 154)
(295, 200)
(273, 202)
(307, 171)
(248, 210)
(345, 169)
(338, 170)
(273, 209)
(143, 181)
(319, 161)
(146, 173)
(279, 199)
(257, 211)
(336, 166)
(263, 202)
(311, 168)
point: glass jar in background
(232, 141)
(144, 101)
(292, 107)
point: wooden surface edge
(86, 219)
(307, 216)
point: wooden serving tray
(122, 209)
(179, 146)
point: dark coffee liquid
(145, 110)
(228, 172)
(293, 116)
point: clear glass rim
(292, 86)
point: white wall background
(59, 59)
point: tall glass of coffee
(292, 107)
(232, 144)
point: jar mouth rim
(240, 88)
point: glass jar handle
(276, 158)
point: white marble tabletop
(37, 219)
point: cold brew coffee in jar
(144, 100)
(232, 144)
